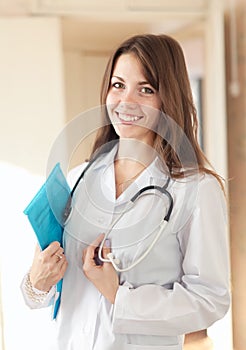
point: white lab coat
(180, 287)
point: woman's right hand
(48, 267)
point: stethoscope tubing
(115, 262)
(110, 257)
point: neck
(126, 172)
(134, 152)
(132, 158)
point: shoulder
(199, 182)
(209, 185)
(210, 198)
(210, 193)
(74, 173)
(195, 195)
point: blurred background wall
(235, 55)
(53, 54)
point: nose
(128, 100)
(127, 106)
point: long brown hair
(164, 67)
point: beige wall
(32, 113)
(31, 90)
(83, 77)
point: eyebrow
(140, 83)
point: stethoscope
(161, 190)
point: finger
(88, 256)
(97, 241)
(83, 255)
(61, 261)
(59, 255)
(90, 250)
(57, 258)
(60, 270)
(52, 248)
(96, 258)
(63, 266)
(106, 248)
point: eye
(147, 90)
(118, 85)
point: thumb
(106, 247)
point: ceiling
(105, 7)
(97, 36)
(96, 25)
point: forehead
(128, 64)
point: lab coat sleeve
(202, 295)
(33, 304)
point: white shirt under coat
(180, 287)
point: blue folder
(45, 213)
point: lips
(128, 118)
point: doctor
(182, 284)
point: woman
(124, 296)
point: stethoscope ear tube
(67, 210)
(103, 149)
(170, 209)
(163, 190)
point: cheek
(157, 103)
(110, 103)
(108, 99)
(155, 112)
(154, 121)
(110, 109)
(111, 98)
(153, 116)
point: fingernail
(107, 243)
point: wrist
(38, 285)
(112, 295)
(36, 295)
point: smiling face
(133, 104)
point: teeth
(129, 118)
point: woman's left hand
(104, 277)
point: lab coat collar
(154, 174)
(156, 167)
(105, 159)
